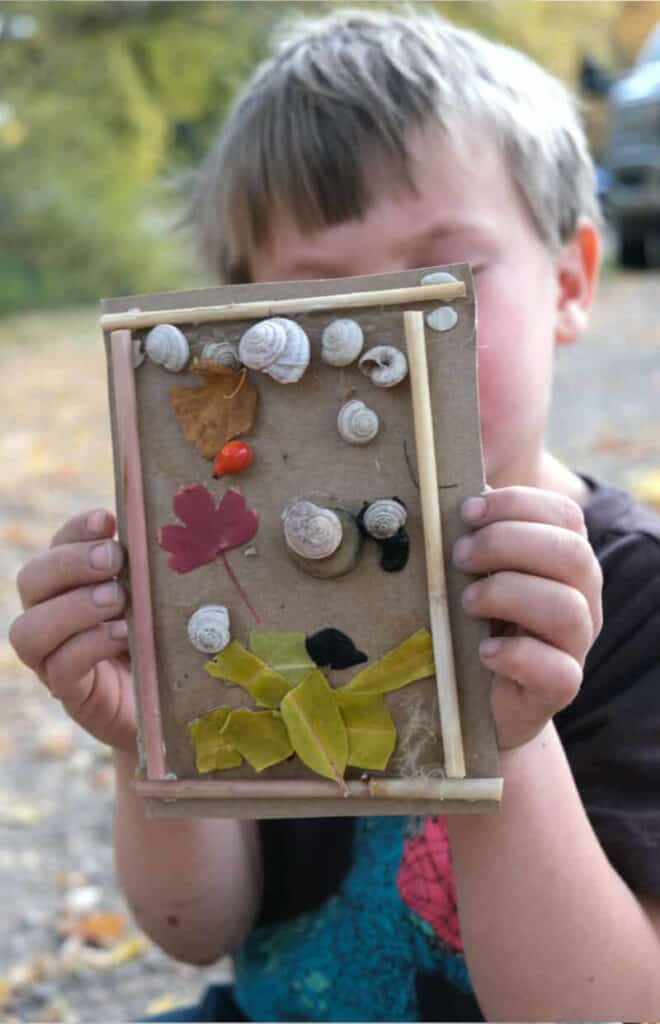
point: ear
(577, 275)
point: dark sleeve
(611, 732)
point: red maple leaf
(207, 531)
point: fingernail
(473, 509)
(490, 646)
(470, 595)
(100, 556)
(96, 521)
(462, 550)
(105, 593)
(119, 630)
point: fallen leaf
(237, 665)
(162, 1004)
(99, 927)
(370, 728)
(409, 661)
(285, 652)
(647, 488)
(260, 736)
(316, 728)
(223, 407)
(55, 742)
(212, 753)
(131, 949)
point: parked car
(632, 157)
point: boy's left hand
(544, 580)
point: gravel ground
(55, 782)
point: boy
(371, 143)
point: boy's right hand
(72, 633)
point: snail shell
(311, 531)
(384, 365)
(341, 342)
(439, 277)
(357, 423)
(384, 518)
(208, 628)
(223, 352)
(442, 319)
(343, 560)
(278, 347)
(166, 345)
(138, 353)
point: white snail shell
(357, 423)
(278, 347)
(311, 531)
(138, 353)
(208, 628)
(341, 342)
(384, 518)
(166, 345)
(439, 277)
(223, 352)
(384, 365)
(442, 319)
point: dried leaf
(236, 665)
(370, 729)
(411, 660)
(315, 726)
(647, 488)
(99, 927)
(207, 530)
(285, 652)
(260, 736)
(131, 949)
(212, 752)
(209, 418)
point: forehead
(462, 188)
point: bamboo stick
(443, 654)
(256, 310)
(470, 790)
(136, 535)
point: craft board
(299, 453)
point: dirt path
(55, 782)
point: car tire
(632, 251)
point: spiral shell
(357, 423)
(223, 352)
(341, 342)
(278, 347)
(311, 531)
(384, 365)
(208, 628)
(443, 318)
(439, 277)
(384, 518)
(166, 345)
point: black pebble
(395, 551)
(331, 647)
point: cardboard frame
(449, 410)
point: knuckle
(17, 636)
(571, 516)
(573, 615)
(568, 682)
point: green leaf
(285, 652)
(370, 728)
(236, 665)
(411, 660)
(212, 752)
(315, 726)
(260, 736)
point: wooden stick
(469, 790)
(281, 307)
(136, 536)
(443, 654)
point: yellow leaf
(212, 752)
(411, 660)
(285, 652)
(131, 949)
(260, 736)
(316, 728)
(236, 665)
(647, 488)
(370, 729)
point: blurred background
(105, 108)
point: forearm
(193, 884)
(550, 931)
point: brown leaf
(208, 417)
(99, 928)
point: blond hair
(338, 99)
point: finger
(41, 630)
(67, 670)
(87, 526)
(535, 548)
(533, 681)
(66, 567)
(526, 504)
(552, 611)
